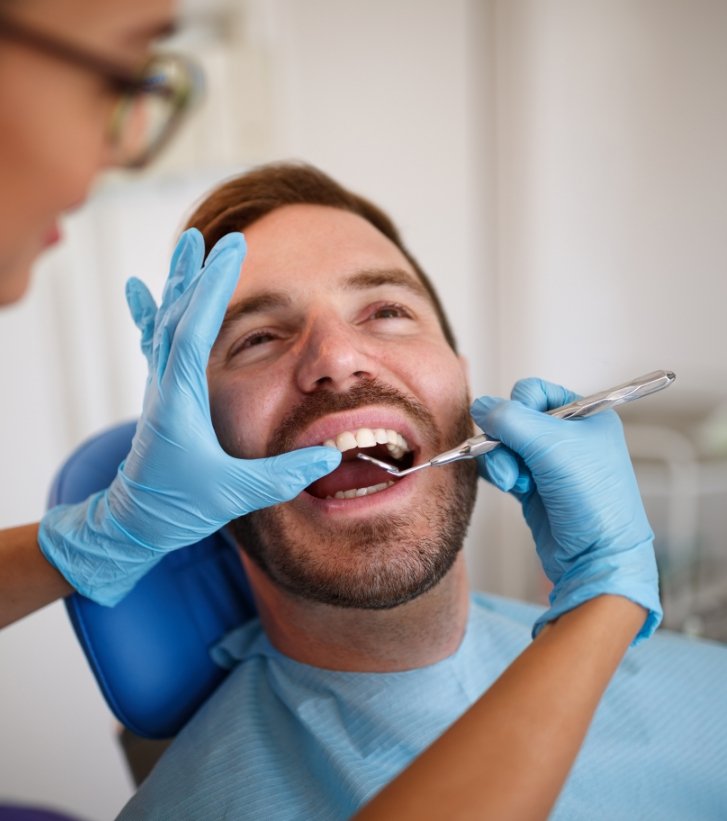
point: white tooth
(365, 438)
(390, 484)
(361, 491)
(395, 451)
(346, 441)
(377, 488)
(368, 438)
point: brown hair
(237, 203)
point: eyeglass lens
(147, 117)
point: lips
(352, 479)
(370, 417)
(52, 236)
(355, 478)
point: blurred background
(557, 166)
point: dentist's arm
(177, 485)
(27, 581)
(509, 755)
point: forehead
(312, 247)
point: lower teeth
(362, 491)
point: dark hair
(237, 203)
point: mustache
(367, 392)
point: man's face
(330, 337)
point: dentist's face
(331, 338)
(55, 116)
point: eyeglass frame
(126, 82)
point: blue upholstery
(150, 653)
(16, 812)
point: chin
(13, 285)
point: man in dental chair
(369, 643)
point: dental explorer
(605, 400)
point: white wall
(558, 168)
(611, 184)
(612, 174)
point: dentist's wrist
(631, 575)
(92, 551)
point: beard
(384, 561)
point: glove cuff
(632, 575)
(86, 544)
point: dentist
(81, 90)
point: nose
(334, 357)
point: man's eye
(391, 311)
(259, 338)
(254, 340)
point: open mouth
(354, 477)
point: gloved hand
(176, 485)
(579, 496)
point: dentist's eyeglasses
(153, 102)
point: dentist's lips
(52, 236)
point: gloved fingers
(185, 265)
(166, 326)
(518, 427)
(524, 484)
(184, 272)
(194, 250)
(172, 313)
(195, 328)
(276, 479)
(482, 406)
(499, 467)
(541, 395)
(143, 311)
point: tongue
(347, 476)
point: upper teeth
(368, 438)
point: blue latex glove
(579, 496)
(176, 485)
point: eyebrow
(257, 304)
(360, 281)
(372, 278)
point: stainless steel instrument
(605, 400)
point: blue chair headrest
(150, 653)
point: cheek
(54, 138)
(244, 413)
(441, 383)
(231, 418)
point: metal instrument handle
(613, 397)
(595, 403)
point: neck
(416, 634)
